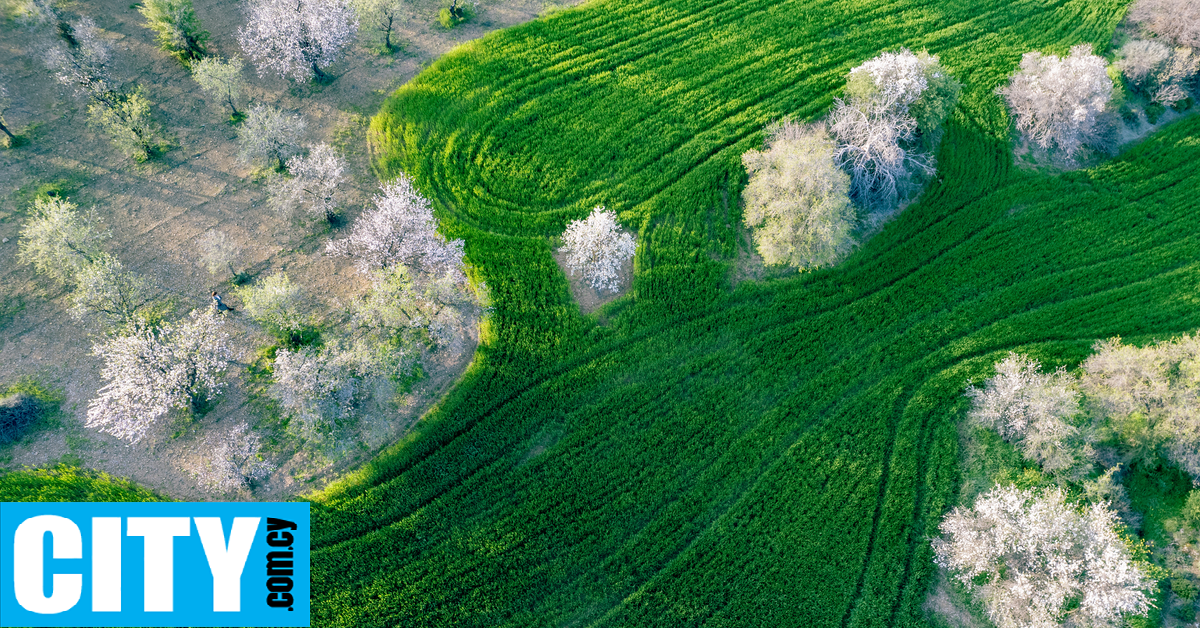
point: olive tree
(268, 137)
(1057, 102)
(277, 304)
(797, 199)
(1032, 559)
(221, 79)
(106, 291)
(1038, 412)
(596, 247)
(296, 38)
(60, 241)
(887, 124)
(177, 28)
(152, 370)
(312, 185)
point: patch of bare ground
(948, 605)
(589, 298)
(159, 209)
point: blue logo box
(154, 564)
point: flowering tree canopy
(312, 186)
(296, 38)
(596, 248)
(1034, 560)
(233, 461)
(60, 241)
(152, 370)
(1056, 102)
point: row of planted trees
(815, 188)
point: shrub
(1055, 102)
(178, 30)
(797, 199)
(17, 412)
(1025, 556)
(455, 14)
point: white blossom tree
(797, 199)
(380, 16)
(60, 241)
(155, 369)
(313, 388)
(221, 79)
(106, 291)
(1057, 103)
(296, 38)
(1035, 561)
(887, 124)
(312, 184)
(82, 62)
(1163, 74)
(268, 137)
(400, 229)
(233, 461)
(596, 248)
(1034, 411)
(1177, 21)
(1151, 395)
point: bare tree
(155, 369)
(221, 79)
(400, 229)
(1057, 102)
(218, 252)
(798, 200)
(887, 125)
(1177, 21)
(268, 137)
(234, 461)
(1032, 559)
(107, 291)
(1037, 412)
(296, 38)
(380, 16)
(5, 103)
(597, 248)
(178, 29)
(312, 187)
(60, 241)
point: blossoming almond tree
(153, 370)
(297, 38)
(1033, 560)
(312, 188)
(233, 461)
(596, 248)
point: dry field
(159, 209)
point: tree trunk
(229, 99)
(6, 131)
(387, 35)
(321, 76)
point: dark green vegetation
(774, 455)
(70, 484)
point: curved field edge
(64, 483)
(778, 455)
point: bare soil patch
(159, 209)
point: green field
(774, 455)
(778, 454)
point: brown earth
(159, 209)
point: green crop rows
(772, 455)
